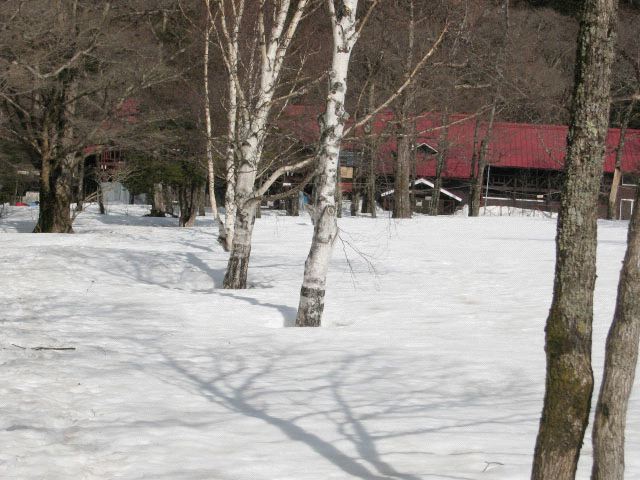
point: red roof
(516, 145)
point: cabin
(524, 170)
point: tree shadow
(288, 313)
(256, 393)
(14, 225)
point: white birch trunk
(332, 127)
(207, 116)
(245, 210)
(252, 129)
(227, 232)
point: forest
(179, 179)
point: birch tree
(343, 25)
(332, 130)
(251, 99)
(207, 114)
(569, 375)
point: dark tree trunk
(621, 357)
(356, 199)
(189, 199)
(56, 178)
(293, 206)
(201, 201)
(402, 188)
(80, 189)
(371, 189)
(356, 188)
(158, 208)
(569, 377)
(475, 199)
(441, 159)
(101, 207)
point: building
(525, 161)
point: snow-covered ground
(430, 364)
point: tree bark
(207, 117)
(338, 192)
(293, 206)
(237, 267)
(569, 377)
(325, 230)
(482, 161)
(621, 358)
(158, 208)
(401, 184)
(80, 188)
(441, 159)
(372, 148)
(248, 116)
(56, 177)
(189, 199)
(356, 188)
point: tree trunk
(293, 206)
(158, 208)
(617, 172)
(404, 171)
(339, 192)
(402, 189)
(482, 161)
(207, 118)
(372, 147)
(356, 188)
(188, 197)
(621, 358)
(101, 206)
(569, 377)
(238, 265)
(80, 190)
(56, 177)
(441, 159)
(356, 199)
(371, 187)
(202, 198)
(332, 122)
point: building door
(626, 208)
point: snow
(430, 364)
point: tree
(66, 73)
(627, 91)
(207, 114)
(569, 376)
(480, 161)
(275, 25)
(621, 358)
(343, 25)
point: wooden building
(525, 161)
